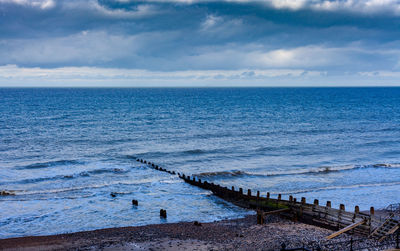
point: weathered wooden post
(258, 195)
(279, 197)
(163, 213)
(249, 192)
(328, 204)
(303, 200)
(356, 209)
(342, 207)
(316, 202)
(290, 198)
(268, 196)
(241, 191)
(372, 211)
(260, 217)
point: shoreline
(234, 234)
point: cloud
(42, 4)
(201, 40)
(356, 6)
(84, 73)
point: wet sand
(237, 234)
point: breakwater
(355, 222)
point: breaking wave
(303, 171)
(70, 176)
(50, 164)
(69, 189)
(341, 187)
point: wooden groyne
(355, 222)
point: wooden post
(372, 210)
(303, 200)
(294, 200)
(356, 209)
(260, 217)
(163, 213)
(290, 198)
(233, 189)
(258, 195)
(268, 196)
(279, 197)
(342, 207)
(241, 191)
(328, 204)
(316, 202)
(249, 192)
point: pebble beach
(236, 234)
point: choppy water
(63, 151)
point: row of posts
(220, 190)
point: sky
(199, 43)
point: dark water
(63, 151)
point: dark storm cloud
(330, 37)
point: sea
(65, 151)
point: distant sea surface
(63, 151)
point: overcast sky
(199, 43)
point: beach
(235, 234)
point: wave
(310, 171)
(340, 187)
(70, 176)
(223, 174)
(69, 189)
(156, 154)
(50, 164)
(195, 151)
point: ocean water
(63, 151)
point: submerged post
(163, 213)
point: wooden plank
(343, 230)
(277, 211)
